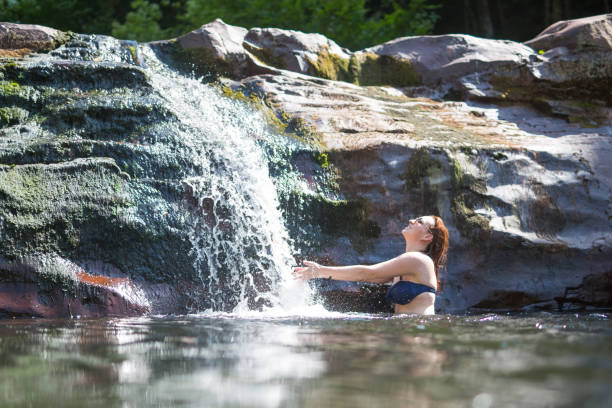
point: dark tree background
(518, 20)
(354, 24)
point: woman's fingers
(301, 275)
(303, 272)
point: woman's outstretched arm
(378, 273)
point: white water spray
(238, 235)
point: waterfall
(240, 244)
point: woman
(414, 273)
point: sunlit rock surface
(218, 46)
(584, 33)
(510, 146)
(517, 166)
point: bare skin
(413, 265)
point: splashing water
(239, 240)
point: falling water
(239, 240)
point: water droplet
(483, 400)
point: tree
(349, 22)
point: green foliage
(348, 22)
(141, 24)
(150, 20)
(84, 16)
(352, 23)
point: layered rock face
(92, 205)
(508, 144)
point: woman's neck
(415, 247)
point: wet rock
(92, 171)
(46, 286)
(584, 33)
(594, 291)
(19, 39)
(512, 184)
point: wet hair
(438, 247)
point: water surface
(340, 360)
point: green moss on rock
(9, 88)
(326, 219)
(278, 120)
(420, 167)
(332, 66)
(12, 115)
(421, 175)
(386, 70)
(39, 203)
(466, 194)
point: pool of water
(339, 360)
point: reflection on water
(344, 360)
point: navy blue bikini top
(403, 292)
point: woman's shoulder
(418, 262)
(417, 257)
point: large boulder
(96, 203)
(525, 195)
(590, 33)
(295, 51)
(92, 204)
(560, 81)
(20, 39)
(445, 58)
(218, 47)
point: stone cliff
(509, 143)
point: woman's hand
(310, 271)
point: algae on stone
(12, 115)
(390, 70)
(265, 55)
(278, 120)
(332, 66)
(467, 192)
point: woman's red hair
(438, 247)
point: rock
(93, 170)
(445, 58)
(511, 184)
(219, 46)
(87, 175)
(594, 290)
(312, 54)
(25, 38)
(54, 287)
(455, 67)
(589, 33)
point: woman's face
(418, 228)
